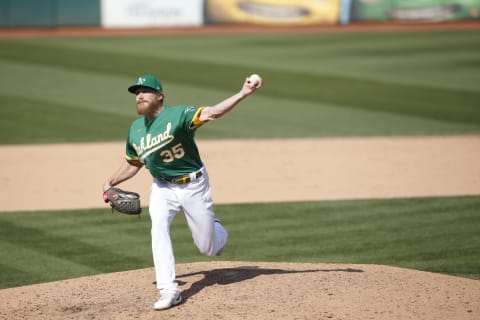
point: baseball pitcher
(162, 140)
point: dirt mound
(252, 290)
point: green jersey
(166, 144)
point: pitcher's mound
(251, 290)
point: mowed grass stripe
(432, 234)
(316, 84)
(30, 264)
(47, 246)
(46, 122)
(419, 57)
(415, 233)
(77, 250)
(450, 105)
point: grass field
(362, 84)
(74, 89)
(433, 234)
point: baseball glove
(127, 202)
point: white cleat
(167, 301)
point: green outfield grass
(325, 84)
(432, 234)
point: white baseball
(255, 79)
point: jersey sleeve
(131, 154)
(192, 117)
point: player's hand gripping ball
(255, 79)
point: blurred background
(155, 13)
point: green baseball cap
(146, 81)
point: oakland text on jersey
(149, 144)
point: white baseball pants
(194, 199)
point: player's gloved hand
(127, 202)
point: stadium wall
(414, 11)
(49, 13)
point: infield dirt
(68, 176)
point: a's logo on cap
(141, 80)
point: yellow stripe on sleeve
(196, 122)
(134, 161)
